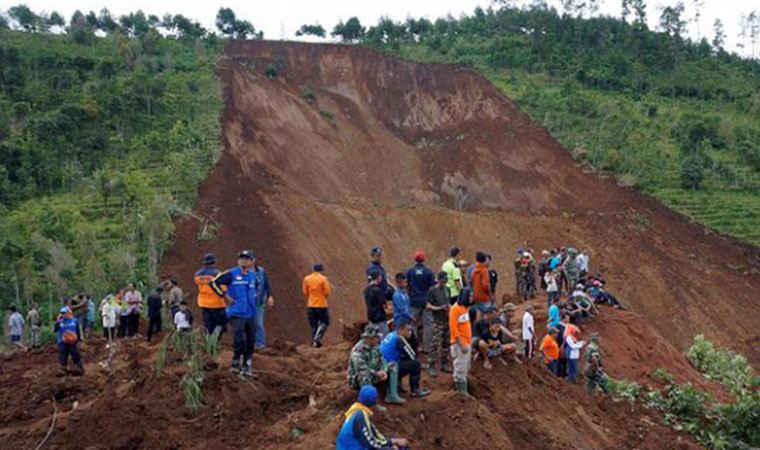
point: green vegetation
(104, 139)
(674, 117)
(716, 425)
(191, 346)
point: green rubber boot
(393, 396)
(461, 386)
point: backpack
(69, 337)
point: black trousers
(134, 323)
(66, 350)
(111, 331)
(123, 325)
(410, 367)
(317, 317)
(214, 317)
(154, 325)
(244, 333)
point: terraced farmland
(729, 212)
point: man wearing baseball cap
(376, 265)
(420, 279)
(68, 334)
(240, 295)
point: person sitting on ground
(183, 320)
(574, 312)
(480, 323)
(317, 289)
(528, 333)
(573, 347)
(550, 350)
(366, 365)
(583, 301)
(402, 361)
(438, 298)
(68, 337)
(492, 344)
(357, 431)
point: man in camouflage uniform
(595, 376)
(438, 305)
(570, 268)
(366, 364)
(527, 287)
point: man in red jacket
(481, 284)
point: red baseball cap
(419, 256)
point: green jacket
(593, 352)
(363, 363)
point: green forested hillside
(103, 139)
(678, 119)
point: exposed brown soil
(404, 156)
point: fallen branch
(52, 425)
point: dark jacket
(154, 305)
(387, 290)
(375, 299)
(421, 279)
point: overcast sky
(281, 18)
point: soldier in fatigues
(366, 365)
(527, 288)
(438, 304)
(570, 268)
(595, 376)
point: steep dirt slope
(409, 156)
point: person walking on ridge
(316, 288)
(241, 284)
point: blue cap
(368, 395)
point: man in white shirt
(574, 346)
(528, 332)
(183, 319)
(109, 309)
(582, 262)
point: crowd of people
(449, 315)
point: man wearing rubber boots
(241, 283)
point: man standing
(154, 312)
(573, 346)
(68, 333)
(133, 298)
(264, 300)
(375, 299)
(438, 307)
(453, 275)
(402, 361)
(79, 306)
(420, 279)
(16, 327)
(376, 264)
(554, 313)
(493, 277)
(110, 309)
(528, 332)
(402, 312)
(582, 261)
(481, 284)
(241, 295)
(550, 350)
(316, 288)
(175, 296)
(366, 365)
(461, 340)
(211, 304)
(595, 376)
(570, 268)
(35, 321)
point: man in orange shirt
(460, 332)
(316, 288)
(550, 350)
(211, 305)
(481, 284)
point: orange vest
(207, 298)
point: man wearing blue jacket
(420, 279)
(358, 433)
(402, 311)
(68, 334)
(376, 264)
(241, 283)
(401, 361)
